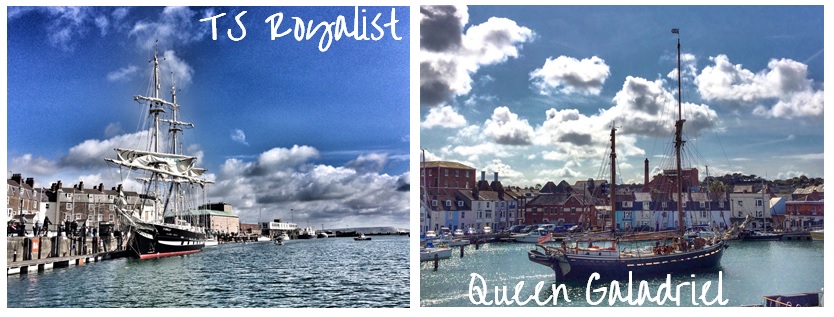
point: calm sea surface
(749, 270)
(331, 272)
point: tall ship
(615, 256)
(164, 221)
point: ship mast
(679, 140)
(613, 188)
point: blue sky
(531, 91)
(280, 124)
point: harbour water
(330, 272)
(748, 271)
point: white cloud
(506, 128)
(239, 136)
(91, 153)
(506, 174)
(451, 56)
(282, 179)
(278, 158)
(646, 108)
(176, 67)
(690, 68)
(122, 74)
(809, 156)
(65, 25)
(569, 75)
(175, 26)
(445, 117)
(369, 163)
(783, 90)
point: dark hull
(149, 241)
(579, 267)
(306, 236)
(750, 236)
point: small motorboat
(429, 252)
(362, 237)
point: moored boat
(307, 233)
(534, 236)
(430, 252)
(756, 235)
(816, 234)
(362, 237)
(169, 177)
(616, 256)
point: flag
(544, 238)
(676, 31)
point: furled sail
(173, 165)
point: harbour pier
(37, 254)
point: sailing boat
(168, 177)
(760, 235)
(643, 254)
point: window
(573, 210)
(89, 206)
(487, 204)
(69, 206)
(703, 214)
(448, 203)
(663, 205)
(740, 203)
(627, 215)
(110, 217)
(467, 174)
(434, 203)
(446, 184)
(645, 205)
(480, 215)
(446, 172)
(460, 203)
(422, 172)
(457, 173)
(429, 172)
(99, 217)
(703, 204)
(47, 206)
(467, 185)
(758, 202)
(462, 214)
(721, 204)
(77, 216)
(627, 204)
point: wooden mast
(679, 141)
(613, 188)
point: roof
(642, 196)
(447, 164)
(809, 189)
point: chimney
(101, 187)
(483, 175)
(17, 178)
(646, 176)
(60, 185)
(495, 179)
(31, 182)
(81, 185)
(119, 188)
(53, 186)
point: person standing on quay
(46, 224)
